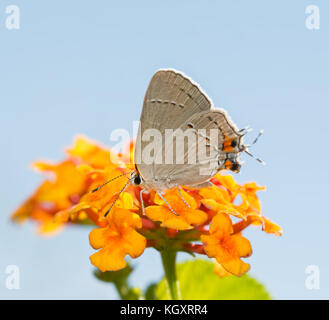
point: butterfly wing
(217, 140)
(170, 99)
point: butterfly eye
(137, 180)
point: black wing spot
(236, 167)
(234, 143)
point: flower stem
(168, 258)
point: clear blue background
(83, 67)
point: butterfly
(175, 105)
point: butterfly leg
(166, 202)
(180, 194)
(142, 202)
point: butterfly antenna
(104, 184)
(258, 136)
(245, 148)
(251, 155)
(256, 139)
(116, 198)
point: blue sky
(83, 67)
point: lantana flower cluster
(211, 225)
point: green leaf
(120, 280)
(198, 281)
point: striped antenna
(251, 155)
(258, 136)
(247, 146)
(260, 133)
(104, 184)
(116, 198)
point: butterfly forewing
(170, 99)
(174, 102)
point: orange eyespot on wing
(228, 164)
(229, 144)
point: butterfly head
(136, 178)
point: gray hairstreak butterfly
(175, 109)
